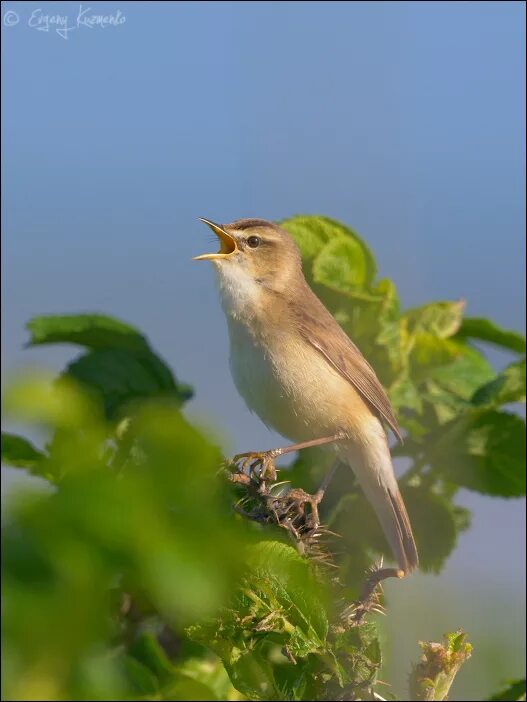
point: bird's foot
(267, 501)
(293, 506)
(254, 465)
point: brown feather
(404, 529)
(320, 329)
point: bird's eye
(253, 241)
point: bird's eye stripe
(253, 241)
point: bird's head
(254, 254)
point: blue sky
(405, 120)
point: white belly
(278, 387)
(286, 381)
(257, 380)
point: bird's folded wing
(321, 330)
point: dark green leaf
(514, 691)
(94, 331)
(120, 376)
(149, 653)
(435, 522)
(483, 451)
(485, 330)
(142, 680)
(20, 453)
(508, 386)
(355, 521)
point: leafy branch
(136, 578)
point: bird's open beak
(227, 243)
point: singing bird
(300, 373)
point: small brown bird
(299, 371)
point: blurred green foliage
(515, 690)
(132, 578)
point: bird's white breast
(253, 367)
(258, 380)
(288, 384)
(281, 377)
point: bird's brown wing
(320, 329)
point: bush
(132, 578)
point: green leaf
(429, 352)
(119, 376)
(312, 233)
(355, 521)
(143, 681)
(485, 330)
(484, 450)
(147, 651)
(390, 306)
(444, 404)
(274, 638)
(150, 669)
(342, 266)
(248, 666)
(465, 374)
(447, 389)
(280, 603)
(441, 319)
(120, 365)
(208, 670)
(405, 395)
(435, 522)
(37, 398)
(515, 690)
(188, 689)
(294, 589)
(509, 386)
(94, 331)
(20, 453)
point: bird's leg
(319, 494)
(264, 460)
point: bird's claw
(267, 501)
(297, 499)
(255, 465)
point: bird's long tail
(372, 464)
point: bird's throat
(242, 297)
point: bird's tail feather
(373, 468)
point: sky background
(404, 120)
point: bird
(298, 370)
